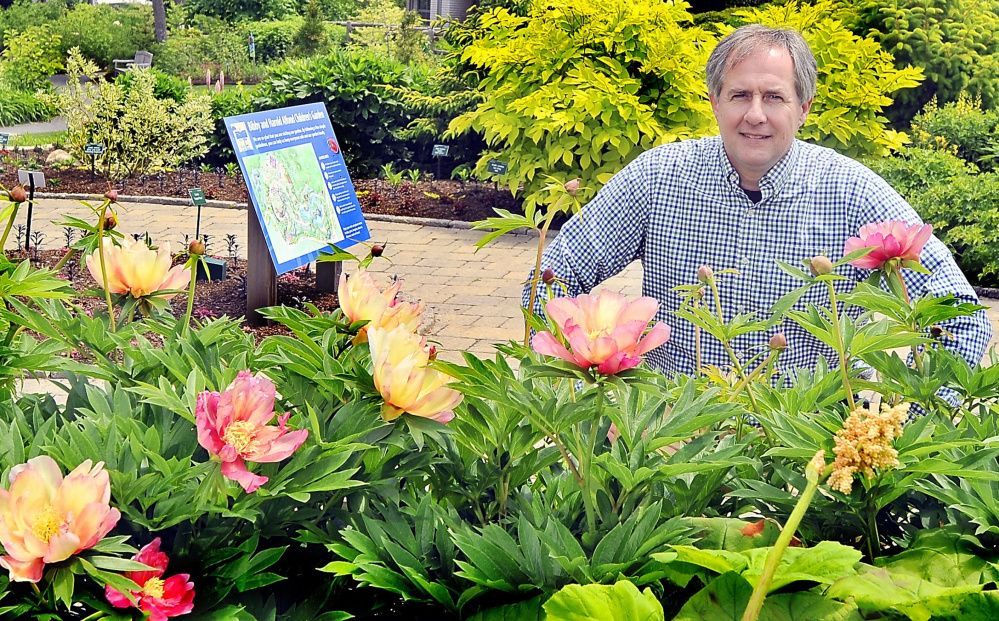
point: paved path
(473, 298)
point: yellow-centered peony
(361, 299)
(400, 360)
(134, 269)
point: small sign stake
(93, 149)
(198, 198)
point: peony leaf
(601, 602)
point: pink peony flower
(45, 518)
(891, 239)
(159, 598)
(603, 331)
(232, 426)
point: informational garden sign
(298, 183)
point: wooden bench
(142, 60)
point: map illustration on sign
(298, 183)
(300, 214)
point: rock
(59, 156)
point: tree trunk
(159, 20)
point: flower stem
(756, 372)
(190, 299)
(752, 611)
(542, 232)
(6, 232)
(697, 346)
(844, 359)
(873, 539)
(65, 259)
(589, 496)
(104, 269)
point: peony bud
(377, 250)
(572, 187)
(17, 194)
(820, 265)
(778, 342)
(432, 354)
(548, 276)
(111, 195)
(196, 247)
(705, 274)
(936, 332)
(110, 221)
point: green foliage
(29, 58)
(217, 46)
(240, 10)
(230, 102)
(621, 601)
(139, 131)
(165, 87)
(310, 37)
(411, 45)
(105, 33)
(22, 107)
(273, 40)
(24, 14)
(855, 83)
(365, 114)
(953, 41)
(579, 89)
(913, 170)
(962, 127)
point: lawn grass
(30, 140)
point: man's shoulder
(691, 154)
(828, 160)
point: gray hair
(747, 40)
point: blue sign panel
(298, 183)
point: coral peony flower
(233, 427)
(401, 375)
(891, 239)
(135, 269)
(45, 518)
(160, 598)
(603, 331)
(361, 299)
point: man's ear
(805, 108)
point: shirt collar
(775, 178)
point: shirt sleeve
(967, 336)
(606, 236)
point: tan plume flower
(865, 444)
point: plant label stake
(4, 139)
(497, 167)
(198, 198)
(440, 150)
(93, 149)
(34, 180)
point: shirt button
(741, 309)
(745, 260)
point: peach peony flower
(160, 598)
(891, 239)
(361, 299)
(45, 518)
(232, 426)
(603, 330)
(134, 269)
(401, 375)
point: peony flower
(891, 239)
(45, 518)
(401, 376)
(603, 331)
(134, 269)
(160, 598)
(232, 426)
(361, 299)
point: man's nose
(755, 115)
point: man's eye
(739, 96)
(776, 98)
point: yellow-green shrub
(579, 88)
(140, 133)
(856, 79)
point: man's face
(758, 112)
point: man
(743, 200)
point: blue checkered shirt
(679, 206)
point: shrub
(165, 87)
(139, 131)
(915, 169)
(580, 88)
(22, 107)
(855, 82)
(104, 33)
(240, 10)
(273, 40)
(24, 14)
(30, 58)
(961, 125)
(310, 37)
(230, 102)
(953, 41)
(366, 116)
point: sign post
(440, 150)
(4, 139)
(34, 180)
(302, 195)
(93, 149)
(198, 198)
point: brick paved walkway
(473, 298)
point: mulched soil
(447, 200)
